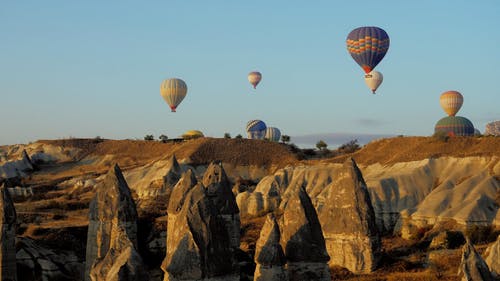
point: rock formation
(180, 191)
(198, 246)
(219, 191)
(173, 174)
(492, 255)
(348, 221)
(472, 266)
(36, 262)
(112, 232)
(492, 128)
(302, 238)
(13, 171)
(8, 219)
(269, 255)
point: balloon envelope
(451, 102)
(256, 129)
(373, 80)
(192, 134)
(254, 78)
(173, 91)
(273, 134)
(368, 46)
(455, 126)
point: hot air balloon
(368, 46)
(451, 102)
(273, 134)
(373, 80)
(256, 129)
(173, 92)
(455, 126)
(192, 134)
(254, 78)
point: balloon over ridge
(455, 126)
(273, 134)
(254, 78)
(451, 102)
(256, 129)
(373, 80)
(173, 91)
(368, 46)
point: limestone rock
(180, 191)
(269, 255)
(302, 238)
(473, 267)
(173, 173)
(492, 255)
(492, 128)
(112, 221)
(36, 262)
(198, 245)
(13, 171)
(348, 221)
(8, 219)
(219, 191)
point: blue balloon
(368, 46)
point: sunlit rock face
(492, 258)
(348, 221)
(112, 233)
(472, 266)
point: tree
(163, 138)
(321, 145)
(149, 137)
(227, 135)
(238, 136)
(285, 138)
(349, 147)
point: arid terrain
(424, 197)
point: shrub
(163, 138)
(227, 135)
(349, 147)
(238, 136)
(149, 137)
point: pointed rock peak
(6, 207)
(26, 157)
(174, 165)
(180, 191)
(215, 173)
(351, 164)
(268, 249)
(301, 234)
(472, 266)
(493, 257)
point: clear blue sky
(93, 68)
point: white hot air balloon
(173, 91)
(373, 80)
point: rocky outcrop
(180, 191)
(472, 267)
(112, 232)
(8, 219)
(492, 258)
(269, 255)
(302, 238)
(36, 262)
(198, 248)
(220, 192)
(173, 174)
(492, 128)
(265, 198)
(348, 221)
(13, 171)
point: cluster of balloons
(368, 46)
(451, 102)
(257, 129)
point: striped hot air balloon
(254, 78)
(273, 134)
(373, 80)
(368, 46)
(451, 102)
(455, 126)
(173, 91)
(256, 129)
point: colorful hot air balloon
(254, 78)
(273, 134)
(173, 91)
(256, 129)
(368, 46)
(373, 80)
(451, 102)
(455, 126)
(192, 134)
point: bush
(227, 135)
(349, 147)
(163, 138)
(321, 145)
(149, 137)
(238, 136)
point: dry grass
(405, 149)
